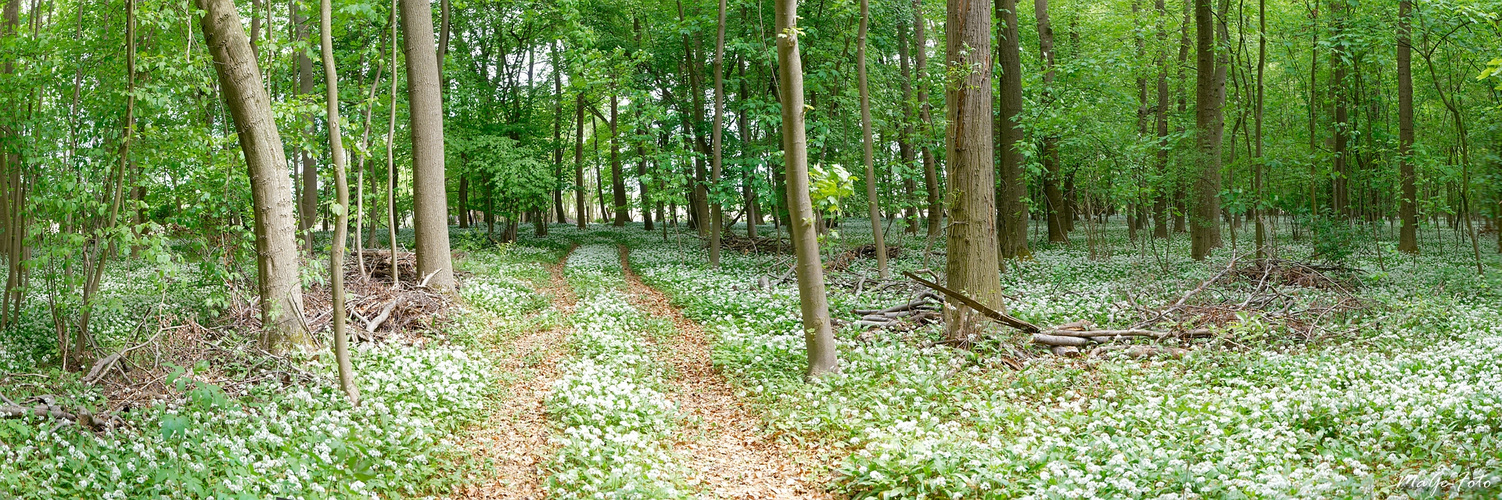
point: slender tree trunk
(617, 177)
(1059, 218)
(905, 135)
(972, 268)
(873, 204)
(1011, 189)
(557, 67)
(1408, 211)
(1204, 232)
(817, 331)
(341, 211)
(925, 118)
(276, 247)
(717, 143)
(1257, 164)
(308, 203)
(1341, 192)
(429, 196)
(391, 220)
(581, 211)
(753, 209)
(463, 195)
(1160, 203)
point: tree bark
(717, 140)
(581, 211)
(1011, 213)
(276, 247)
(617, 177)
(1055, 206)
(1204, 225)
(1341, 191)
(817, 331)
(557, 67)
(308, 202)
(925, 117)
(1408, 211)
(753, 209)
(341, 211)
(1257, 166)
(873, 204)
(391, 220)
(905, 135)
(429, 196)
(972, 266)
(1160, 204)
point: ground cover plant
(781, 249)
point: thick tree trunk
(814, 305)
(429, 197)
(1059, 219)
(341, 190)
(873, 203)
(925, 117)
(1408, 211)
(1204, 232)
(1011, 189)
(972, 268)
(271, 188)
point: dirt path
(727, 451)
(516, 435)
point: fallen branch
(971, 303)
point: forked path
(516, 435)
(728, 453)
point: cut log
(1065, 351)
(1057, 340)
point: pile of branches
(1266, 300)
(1281, 272)
(843, 260)
(924, 310)
(379, 307)
(746, 245)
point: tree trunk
(1160, 204)
(276, 247)
(1341, 192)
(817, 331)
(1204, 225)
(557, 67)
(753, 214)
(972, 266)
(925, 117)
(1055, 205)
(617, 177)
(905, 135)
(1408, 212)
(1257, 166)
(396, 275)
(341, 211)
(717, 213)
(463, 196)
(579, 204)
(429, 197)
(308, 202)
(873, 204)
(1011, 213)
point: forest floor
(615, 362)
